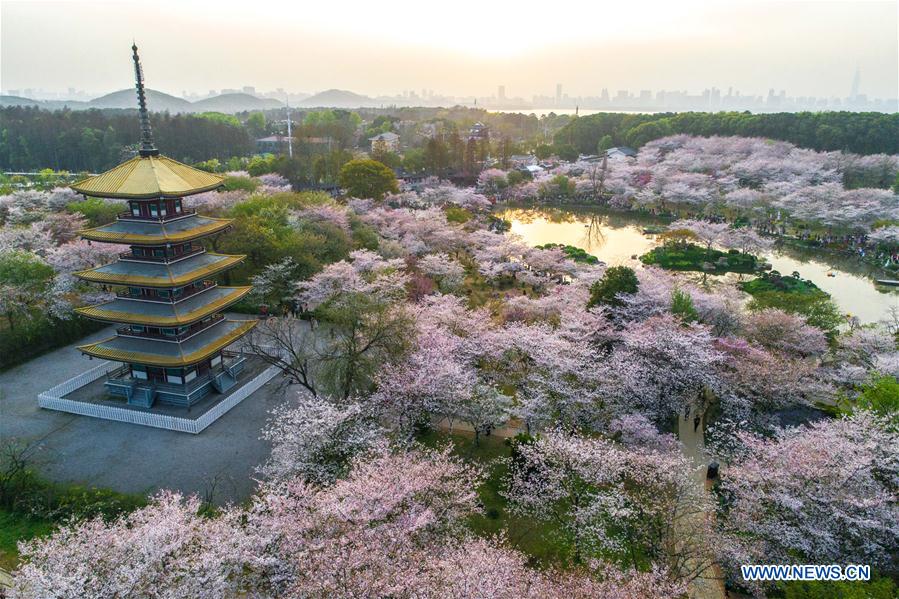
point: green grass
(538, 540)
(689, 256)
(15, 527)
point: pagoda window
(190, 374)
(154, 209)
(137, 328)
(178, 207)
(163, 292)
(216, 360)
(135, 209)
(134, 291)
(174, 375)
(177, 292)
(169, 332)
(159, 253)
(163, 209)
(139, 371)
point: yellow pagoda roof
(161, 274)
(147, 177)
(166, 354)
(135, 232)
(165, 314)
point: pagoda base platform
(88, 394)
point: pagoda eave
(107, 311)
(106, 234)
(167, 354)
(146, 196)
(104, 274)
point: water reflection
(617, 238)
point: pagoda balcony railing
(168, 300)
(160, 259)
(123, 376)
(127, 215)
(128, 332)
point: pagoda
(172, 337)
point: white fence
(53, 399)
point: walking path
(710, 584)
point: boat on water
(890, 282)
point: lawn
(15, 527)
(538, 540)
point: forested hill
(857, 132)
(94, 140)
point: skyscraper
(558, 93)
(856, 84)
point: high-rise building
(856, 84)
(558, 93)
(501, 92)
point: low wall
(54, 399)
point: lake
(617, 239)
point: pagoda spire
(146, 133)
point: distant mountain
(17, 101)
(45, 104)
(234, 103)
(156, 101)
(339, 98)
(228, 103)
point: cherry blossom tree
(613, 500)
(780, 331)
(823, 492)
(661, 366)
(163, 550)
(81, 255)
(708, 233)
(761, 381)
(315, 439)
(485, 409)
(449, 273)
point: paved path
(126, 457)
(710, 584)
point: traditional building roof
(388, 136)
(160, 274)
(148, 177)
(170, 354)
(136, 232)
(166, 314)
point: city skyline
(709, 98)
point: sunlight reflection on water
(617, 238)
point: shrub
(96, 211)
(240, 184)
(617, 280)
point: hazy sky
(457, 47)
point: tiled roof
(146, 177)
(166, 314)
(137, 232)
(169, 354)
(160, 274)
